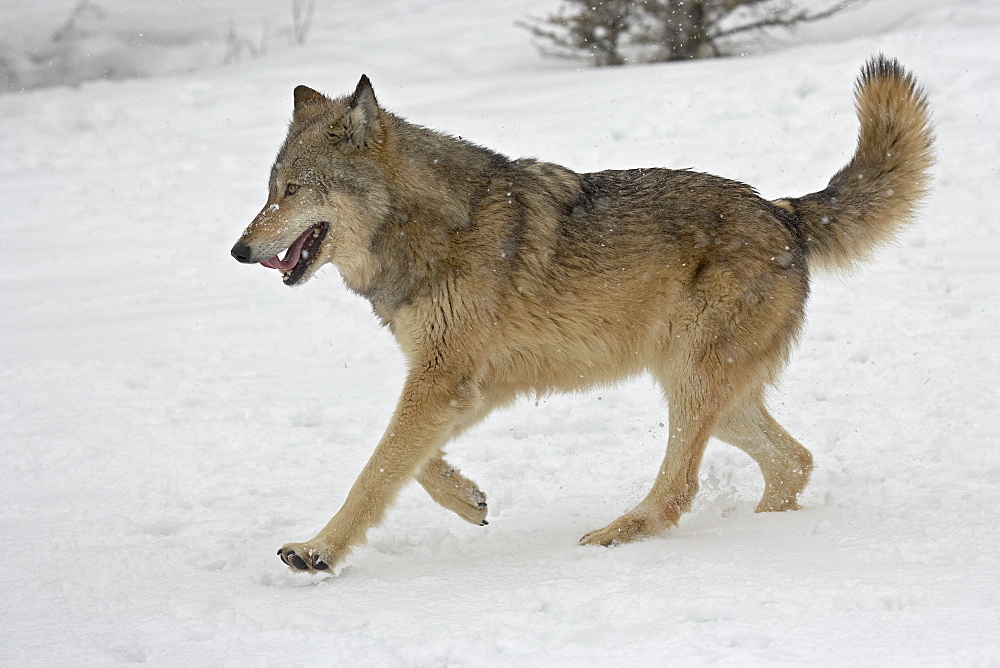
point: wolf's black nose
(241, 252)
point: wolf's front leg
(430, 406)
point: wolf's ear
(361, 121)
(307, 103)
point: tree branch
(782, 21)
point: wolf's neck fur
(436, 182)
(439, 174)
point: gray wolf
(501, 278)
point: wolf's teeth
(305, 255)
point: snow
(169, 418)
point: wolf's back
(879, 190)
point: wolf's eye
(291, 189)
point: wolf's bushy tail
(880, 189)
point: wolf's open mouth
(299, 254)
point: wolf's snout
(242, 252)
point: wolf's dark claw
(483, 523)
(301, 557)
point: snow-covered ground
(168, 418)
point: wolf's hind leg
(783, 461)
(451, 490)
(693, 414)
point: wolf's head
(326, 190)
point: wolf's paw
(302, 557)
(777, 504)
(451, 490)
(625, 529)
(468, 502)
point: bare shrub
(613, 32)
(302, 15)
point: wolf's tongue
(292, 256)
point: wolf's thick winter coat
(501, 278)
